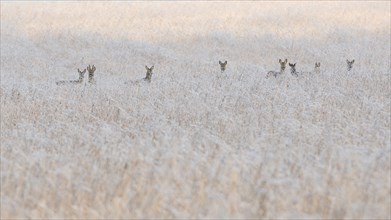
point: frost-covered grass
(192, 144)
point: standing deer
(91, 71)
(349, 64)
(79, 81)
(282, 69)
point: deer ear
(352, 61)
(84, 71)
(294, 64)
(146, 67)
(220, 62)
(279, 60)
(225, 62)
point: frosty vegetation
(195, 142)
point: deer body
(282, 69)
(79, 81)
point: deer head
(223, 66)
(293, 69)
(350, 64)
(149, 73)
(91, 71)
(283, 64)
(81, 74)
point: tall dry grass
(192, 144)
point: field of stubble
(192, 144)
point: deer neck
(222, 68)
(293, 70)
(90, 77)
(148, 77)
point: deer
(79, 81)
(293, 69)
(282, 69)
(91, 71)
(147, 77)
(223, 66)
(349, 64)
(317, 68)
